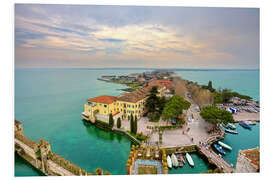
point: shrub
(119, 123)
(111, 121)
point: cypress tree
(119, 123)
(111, 121)
(131, 124)
(135, 125)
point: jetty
(215, 159)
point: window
(100, 104)
(104, 112)
(128, 105)
(132, 112)
(111, 111)
(105, 105)
(136, 105)
(117, 109)
(117, 104)
(132, 106)
(136, 111)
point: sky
(88, 36)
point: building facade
(123, 106)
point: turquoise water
(49, 103)
(243, 81)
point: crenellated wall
(41, 156)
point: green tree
(118, 122)
(215, 115)
(174, 107)
(111, 121)
(209, 86)
(135, 125)
(131, 123)
(152, 100)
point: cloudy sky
(132, 36)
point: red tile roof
(253, 155)
(103, 99)
(163, 82)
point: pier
(215, 159)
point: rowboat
(219, 149)
(224, 145)
(179, 160)
(174, 160)
(183, 158)
(169, 161)
(245, 125)
(231, 126)
(189, 159)
(231, 131)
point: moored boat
(169, 161)
(183, 158)
(224, 145)
(219, 149)
(189, 159)
(179, 160)
(174, 160)
(231, 126)
(245, 125)
(231, 131)
(251, 122)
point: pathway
(216, 159)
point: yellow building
(124, 106)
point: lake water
(49, 103)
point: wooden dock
(216, 159)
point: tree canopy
(174, 107)
(215, 115)
(152, 101)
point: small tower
(45, 148)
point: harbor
(85, 135)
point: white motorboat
(224, 145)
(232, 126)
(169, 161)
(189, 159)
(174, 160)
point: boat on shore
(231, 131)
(189, 159)
(174, 161)
(219, 149)
(183, 158)
(244, 125)
(169, 161)
(224, 145)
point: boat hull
(189, 159)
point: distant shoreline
(128, 68)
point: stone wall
(41, 156)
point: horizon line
(102, 68)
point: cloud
(169, 36)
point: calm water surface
(49, 103)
